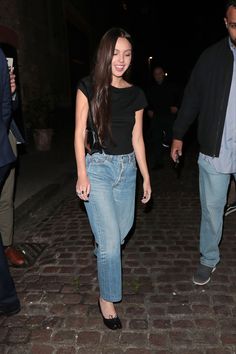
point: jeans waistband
(125, 158)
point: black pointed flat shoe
(111, 323)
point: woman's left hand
(147, 191)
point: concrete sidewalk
(40, 174)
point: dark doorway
(78, 56)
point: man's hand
(176, 149)
(12, 81)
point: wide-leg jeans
(213, 187)
(110, 211)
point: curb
(44, 201)
(35, 202)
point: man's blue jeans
(213, 187)
(110, 211)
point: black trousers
(160, 131)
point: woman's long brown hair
(101, 81)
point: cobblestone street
(162, 311)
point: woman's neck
(119, 82)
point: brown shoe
(15, 257)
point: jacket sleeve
(190, 105)
(6, 92)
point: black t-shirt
(124, 103)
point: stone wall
(38, 31)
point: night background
(53, 44)
(172, 32)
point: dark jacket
(161, 97)
(206, 97)
(6, 153)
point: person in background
(9, 302)
(210, 96)
(163, 101)
(107, 180)
(231, 203)
(14, 256)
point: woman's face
(122, 57)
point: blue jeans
(110, 211)
(213, 187)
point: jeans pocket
(94, 161)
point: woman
(107, 181)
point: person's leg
(7, 213)
(124, 195)
(232, 192)
(159, 140)
(101, 211)
(213, 193)
(6, 201)
(9, 302)
(168, 126)
(234, 176)
(6, 209)
(3, 173)
(14, 256)
(110, 210)
(231, 202)
(156, 148)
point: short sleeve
(141, 100)
(85, 86)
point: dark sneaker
(230, 208)
(203, 274)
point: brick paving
(162, 311)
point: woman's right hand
(81, 114)
(83, 187)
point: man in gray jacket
(210, 96)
